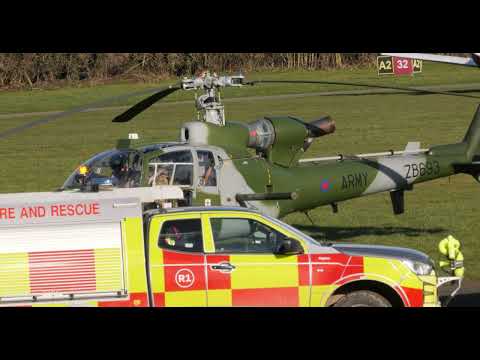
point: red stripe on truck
(60, 271)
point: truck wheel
(362, 298)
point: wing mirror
(289, 246)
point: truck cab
(223, 256)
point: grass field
(41, 158)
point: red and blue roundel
(325, 186)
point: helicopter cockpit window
(119, 168)
(173, 168)
(206, 164)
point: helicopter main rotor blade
(474, 60)
(403, 88)
(98, 104)
(145, 104)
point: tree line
(32, 70)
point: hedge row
(44, 69)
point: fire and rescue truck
(135, 247)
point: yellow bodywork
(256, 278)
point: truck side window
(206, 164)
(181, 235)
(232, 235)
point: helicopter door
(207, 178)
(173, 168)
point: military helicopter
(258, 165)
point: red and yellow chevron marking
(258, 280)
(330, 271)
(341, 269)
(190, 266)
(267, 280)
(412, 297)
(179, 279)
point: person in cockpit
(120, 171)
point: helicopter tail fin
(472, 137)
(471, 149)
(466, 154)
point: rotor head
(207, 81)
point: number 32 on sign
(392, 65)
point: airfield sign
(393, 65)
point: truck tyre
(362, 298)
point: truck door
(243, 271)
(177, 261)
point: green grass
(65, 98)
(41, 158)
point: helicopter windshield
(117, 167)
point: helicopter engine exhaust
(321, 127)
(318, 128)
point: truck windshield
(119, 168)
(296, 231)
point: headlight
(418, 268)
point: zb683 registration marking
(422, 169)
